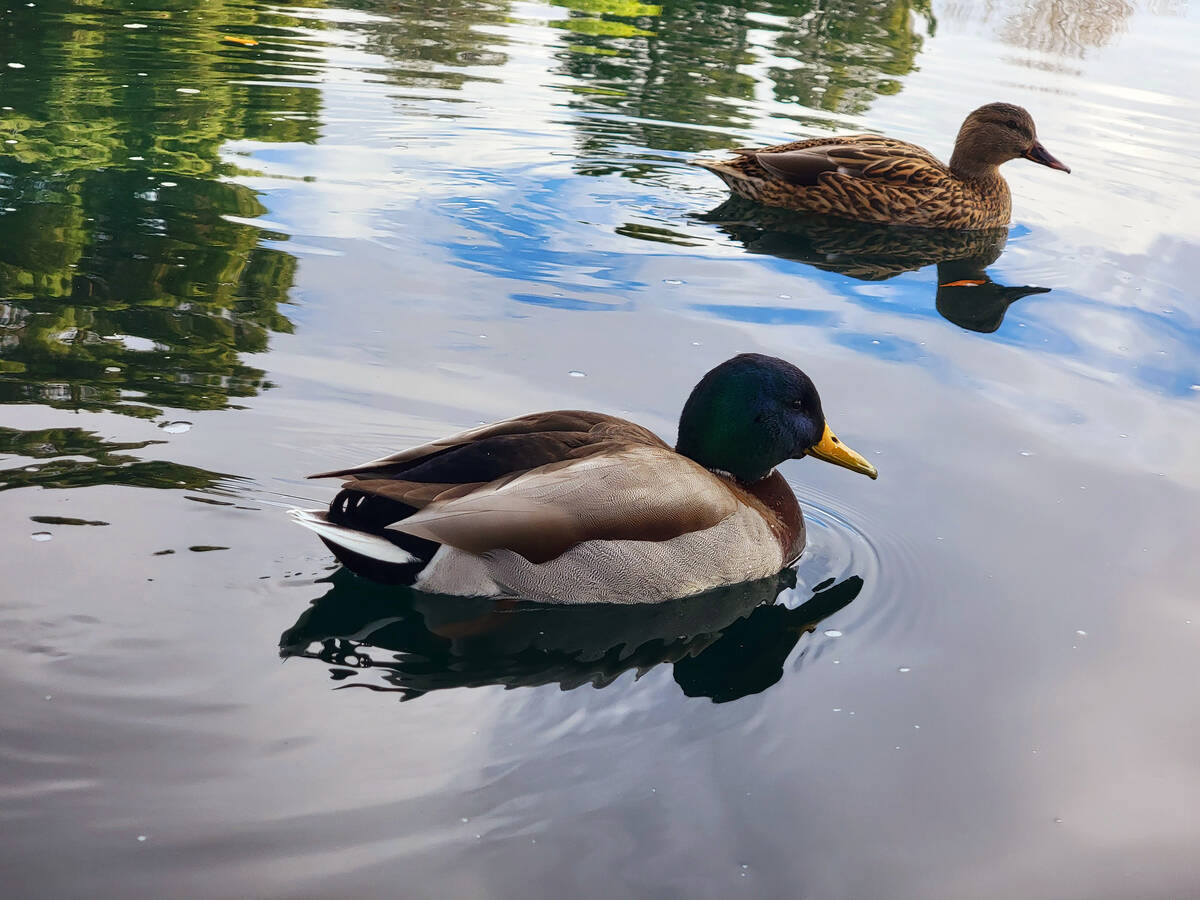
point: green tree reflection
(689, 62)
(73, 457)
(129, 278)
(435, 45)
(843, 55)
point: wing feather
(540, 484)
(876, 160)
(489, 451)
(643, 493)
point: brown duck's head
(993, 135)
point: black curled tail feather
(372, 514)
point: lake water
(240, 243)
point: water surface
(241, 243)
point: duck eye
(796, 404)
(1012, 123)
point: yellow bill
(832, 450)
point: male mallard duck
(576, 507)
(878, 179)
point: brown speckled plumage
(869, 178)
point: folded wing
(540, 484)
(514, 443)
(641, 493)
(863, 157)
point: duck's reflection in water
(724, 644)
(966, 294)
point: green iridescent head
(753, 412)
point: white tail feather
(359, 542)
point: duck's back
(866, 178)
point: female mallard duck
(878, 179)
(577, 507)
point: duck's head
(751, 413)
(993, 135)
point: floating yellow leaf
(601, 28)
(240, 41)
(628, 9)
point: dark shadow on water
(724, 644)
(966, 294)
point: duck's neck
(971, 168)
(725, 453)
